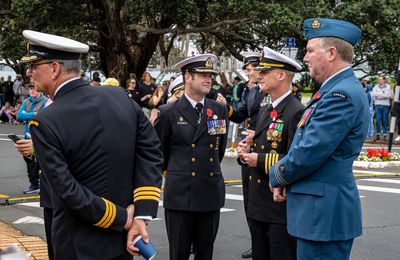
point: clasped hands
(243, 149)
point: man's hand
(24, 147)
(242, 148)
(129, 210)
(250, 159)
(221, 99)
(137, 228)
(279, 194)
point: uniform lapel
(203, 122)
(279, 109)
(187, 111)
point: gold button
(40, 171)
(193, 145)
(249, 177)
(211, 174)
(193, 174)
(193, 159)
(262, 147)
(211, 146)
(258, 181)
(211, 159)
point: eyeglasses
(34, 65)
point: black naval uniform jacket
(100, 154)
(249, 109)
(261, 206)
(193, 178)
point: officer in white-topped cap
(249, 106)
(193, 135)
(276, 125)
(176, 89)
(90, 143)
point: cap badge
(315, 24)
(209, 63)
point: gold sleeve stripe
(147, 188)
(266, 163)
(112, 216)
(146, 198)
(230, 112)
(106, 214)
(144, 193)
(270, 159)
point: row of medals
(274, 133)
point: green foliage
(115, 46)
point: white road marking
(30, 204)
(29, 220)
(234, 197)
(382, 180)
(378, 189)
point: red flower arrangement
(209, 112)
(379, 153)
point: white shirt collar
(323, 84)
(279, 100)
(192, 102)
(64, 83)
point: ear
(56, 70)
(281, 75)
(332, 54)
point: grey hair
(71, 66)
(344, 49)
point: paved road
(380, 201)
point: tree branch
(177, 30)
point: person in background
(235, 92)
(14, 112)
(296, 91)
(147, 88)
(18, 82)
(382, 95)
(134, 91)
(1, 92)
(176, 89)
(8, 91)
(368, 92)
(29, 108)
(96, 77)
(5, 114)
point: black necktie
(199, 110)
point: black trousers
(185, 228)
(271, 241)
(48, 222)
(245, 189)
(33, 171)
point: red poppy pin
(209, 112)
(317, 95)
(273, 114)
